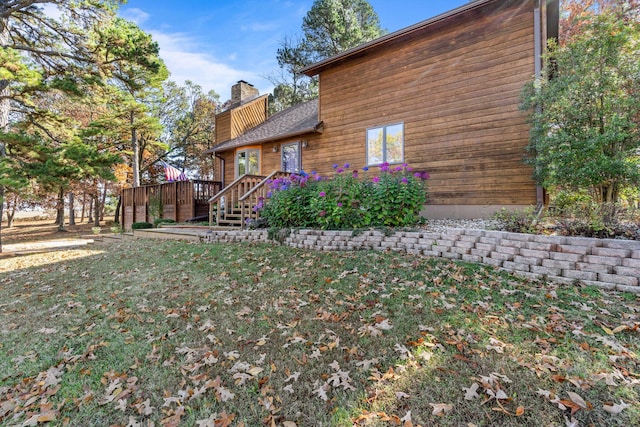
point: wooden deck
(179, 201)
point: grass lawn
(163, 333)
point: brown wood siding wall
(248, 116)
(229, 167)
(273, 161)
(223, 127)
(457, 92)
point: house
(442, 95)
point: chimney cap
(245, 82)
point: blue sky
(215, 43)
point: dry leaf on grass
(577, 399)
(615, 409)
(440, 409)
(471, 392)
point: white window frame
(246, 152)
(384, 144)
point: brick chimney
(242, 92)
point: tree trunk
(11, 210)
(103, 202)
(96, 208)
(60, 210)
(4, 112)
(84, 205)
(72, 209)
(116, 217)
(135, 158)
(90, 219)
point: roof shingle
(297, 120)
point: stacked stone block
(607, 263)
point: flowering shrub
(350, 199)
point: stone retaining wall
(606, 263)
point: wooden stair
(233, 206)
(232, 218)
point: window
(385, 144)
(248, 162)
(291, 157)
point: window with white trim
(247, 162)
(385, 144)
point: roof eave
(317, 129)
(314, 69)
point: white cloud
(187, 61)
(135, 15)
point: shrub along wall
(606, 263)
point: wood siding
(456, 87)
(248, 116)
(223, 126)
(234, 122)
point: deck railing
(256, 195)
(227, 200)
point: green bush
(141, 225)
(517, 221)
(348, 200)
(567, 200)
(158, 221)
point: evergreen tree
(329, 27)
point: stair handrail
(219, 194)
(216, 198)
(253, 214)
(261, 184)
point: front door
(291, 157)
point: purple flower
(365, 168)
(425, 175)
(376, 179)
(384, 167)
(318, 178)
(418, 175)
(404, 165)
(340, 170)
(397, 169)
(269, 194)
(347, 165)
(313, 172)
(355, 174)
(339, 204)
(404, 180)
(335, 166)
(322, 194)
(409, 169)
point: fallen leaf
(607, 330)
(577, 399)
(471, 392)
(615, 409)
(620, 329)
(440, 409)
(255, 371)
